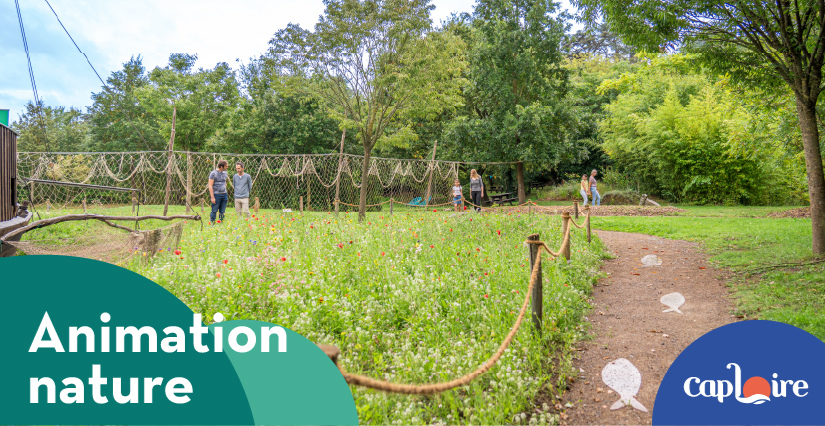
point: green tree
(203, 98)
(118, 120)
(767, 43)
(372, 63)
(515, 99)
(689, 138)
(54, 129)
(273, 118)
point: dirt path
(627, 322)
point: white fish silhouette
(651, 260)
(673, 302)
(624, 378)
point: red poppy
(311, 227)
(434, 210)
(283, 259)
(225, 261)
(177, 252)
(432, 246)
(218, 275)
(382, 253)
(499, 232)
(219, 221)
(486, 296)
(340, 245)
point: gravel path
(628, 322)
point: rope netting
(99, 241)
(278, 181)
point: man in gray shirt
(243, 186)
(217, 190)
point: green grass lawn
(416, 297)
(735, 241)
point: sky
(111, 32)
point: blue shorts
(456, 199)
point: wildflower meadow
(413, 297)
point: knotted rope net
(278, 181)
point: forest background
(508, 82)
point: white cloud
(110, 32)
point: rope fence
(312, 182)
(534, 293)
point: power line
(37, 101)
(93, 69)
(75, 43)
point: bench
(508, 200)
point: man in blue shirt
(243, 186)
(217, 190)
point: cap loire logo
(756, 390)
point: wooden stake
(432, 171)
(84, 205)
(340, 165)
(169, 164)
(587, 219)
(530, 207)
(392, 201)
(536, 295)
(576, 209)
(301, 203)
(188, 182)
(257, 205)
(565, 230)
(134, 201)
(202, 201)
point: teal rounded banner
(87, 342)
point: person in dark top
(476, 189)
(217, 191)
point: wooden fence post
(536, 295)
(257, 205)
(301, 203)
(530, 207)
(189, 183)
(48, 204)
(134, 201)
(84, 205)
(392, 201)
(565, 230)
(576, 209)
(587, 219)
(202, 202)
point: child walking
(457, 190)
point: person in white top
(457, 194)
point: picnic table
(502, 198)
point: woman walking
(476, 189)
(584, 189)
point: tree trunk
(522, 197)
(813, 164)
(362, 203)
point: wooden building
(8, 173)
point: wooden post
(48, 204)
(309, 195)
(202, 201)
(84, 205)
(587, 219)
(340, 165)
(134, 201)
(257, 205)
(576, 209)
(169, 164)
(565, 230)
(530, 207)
(301, 203)
(392, 201)
(430, 183)
(536, 295)
(188, 182)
